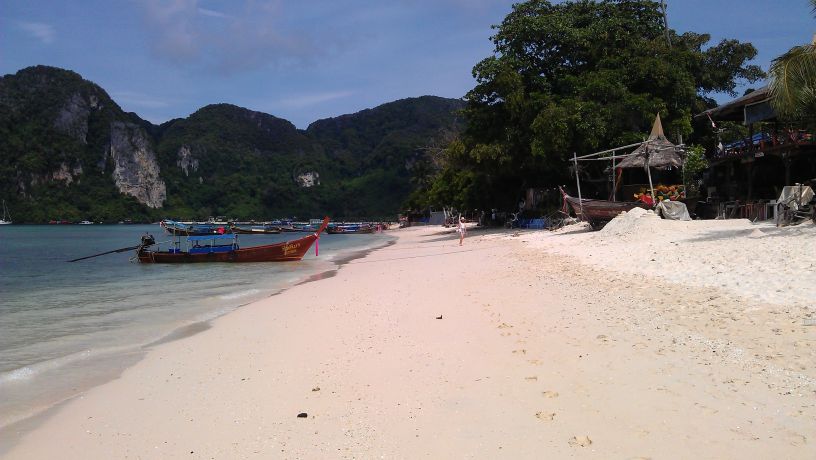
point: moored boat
(350, 229)
(193, 229)
(255, 229)
(224, 248)
(294, 227)
(598, 212)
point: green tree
(694, 163)
(793, 80)
(576, 77)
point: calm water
(67, 326)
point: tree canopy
(577, 77)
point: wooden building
(747, 174)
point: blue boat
(193, 228)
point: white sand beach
(650, 339)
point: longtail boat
(297, 227)
(350, 229)
(193, 229)
(598, 212)
(224, 248)
(255, 230)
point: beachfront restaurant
(747, 172)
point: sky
(304, 60)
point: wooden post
(614, 179)
(649, 173)
(683, 172)
(578, 181)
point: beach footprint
(549, 394)
(796, 439)
(545, 416)
(580, 441)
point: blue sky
(310, 59)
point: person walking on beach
(461, 229)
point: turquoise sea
(65, 327)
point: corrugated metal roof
(735, 110)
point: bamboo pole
(649, 173)
(611, 150)
(578, 181)
(614, 180)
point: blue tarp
(533, 223)
(210, 249)
(210, 237)
(755, 139)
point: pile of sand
(637, 221)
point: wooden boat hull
(598, 212)
(285, 251)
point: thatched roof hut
(661, 153)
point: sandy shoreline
(539, 353)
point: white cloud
(307, 100)
(212, 13)
(250, 35)
(173, 22)
(41, 31)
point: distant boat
(298, 227)
(86, 222)
(193, 229)
(6, 220)
(224, 248)
(255, 230)
(350, 229)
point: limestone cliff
(308, 179)
(186, 161)
(72, 118)
(135, 170)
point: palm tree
(793, 80)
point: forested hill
(68, 151)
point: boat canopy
(211, 237)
